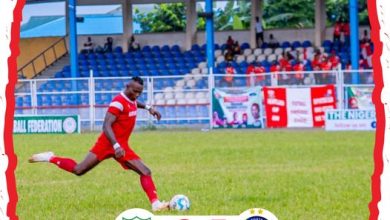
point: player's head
(255, 109)
(134, 88)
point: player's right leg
(67, 164)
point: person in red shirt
(366, 52)
(229, 74)
(285, 66)
(346, 31)
(335, 60)
(298, 76)
(337, 30)
(250, 72)
(118, 125)
(326, 65)
(260, 75)
(275, 69)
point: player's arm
(109, 119)
(150, 109)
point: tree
(163, 18)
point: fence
(182, 100)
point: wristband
(116, 146)
(148, 107)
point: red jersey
(259, 70)
(299, 67)
(326, 65)
(250, 69)
(125, 111)
(337, 29)
(346, 29)
(335, 60)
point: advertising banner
(275, 107)
(41, 124)
(238, 108)
(298, 107)
(353, 119)
(359, 98)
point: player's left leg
(147, 184)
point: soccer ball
(179, 202)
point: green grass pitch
(296, 174)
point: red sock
(149, 188)
(64, 163)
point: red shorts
(104, 151)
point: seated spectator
(229, 74)
(229, 43)
(335, 60)
(316, 62)
(133, 45)
(108, 45)
(273, 43)
(229, 55)
(337, 30)
(236, 48)
(88, 46)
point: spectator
(229, 43)
(274, 69)
(298, 76)
(236, 48)
(229, 55)
(259, 32)
(260, 75)
(229, 74)
(108, 45)
(250, 72)
(366, 52)
(334, 60)
(285, 66)
(316, 62)
(273, 43)
(346, 31)
(88, 46)
(366, 38)
(133, 45)
(337, 30)
(325, 77)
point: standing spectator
(108, 45)
(229, 55)
(347, 32)
(133, 45)
(334, 59)
(259, 32)
(260, 75)
(298, 76)
(229, 74)
(274, 69)
(229, 43)
(326, 65)
(88, 46)
(273, 43)
(236, 48)
(366, 51)
(285, 66)
(337, 30)
(365, 38)
(250, 72)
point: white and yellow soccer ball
(180, 203)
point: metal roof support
(210, 35)
(73, 39)
(354, 38)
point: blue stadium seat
(306, 44)
(285, 44)
(245, 46)
(118, 49)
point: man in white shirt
(259, 32)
